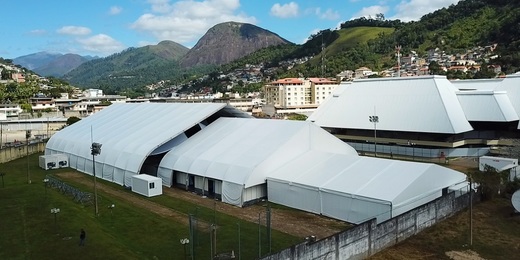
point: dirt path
(299, 224)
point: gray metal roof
(415, 104)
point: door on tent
(211, 187)
(191, 182)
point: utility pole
(470, 211)
(27, 136)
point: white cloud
(101, 43)
(329, 14)
(285, 11)
(74, 30)
(408, 10)
(370, 11)
(115, 10)
(161, 6)
(37, 32)
(186, 20)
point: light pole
(27, 136)
(239, 257)
(55, 211)
(413, 149)
(374, 119)
(95, 150)
(45, 181)
(184, 242)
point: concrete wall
(12, 153)
(369, 237)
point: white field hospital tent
(130, 133)
(356, 188)
(232, 157)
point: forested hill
(455, 29)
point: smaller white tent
(356, 189)
(146, 185)
(232, 157)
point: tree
(73, 119)
(491, 181)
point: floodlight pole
(239, 255)
(95, 150)
(470, 211)
(374, 119)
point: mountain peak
(229, 41)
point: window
(152, 185)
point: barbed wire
(84, 198)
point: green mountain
(359, 42)
(61, 65)
(456, 29)
(132, 67)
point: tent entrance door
(211, 187)
(191, 182)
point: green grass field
(29, 230)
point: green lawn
(29, 230)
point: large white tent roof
(416, 104)
(130, 132)
(245, 151)
(380, 179)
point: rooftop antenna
(398, 50)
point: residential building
(321, 89)
(41, 103)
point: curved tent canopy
(417, 104)
(356, 189)
(129, 133)
(244, 151)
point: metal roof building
(420, 104)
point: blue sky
(104, 27)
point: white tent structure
(418, 104)
(130, 133)
(356, 188)
(232, 157)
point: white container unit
(53, 161)
(146, 185)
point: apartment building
(295, 94)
